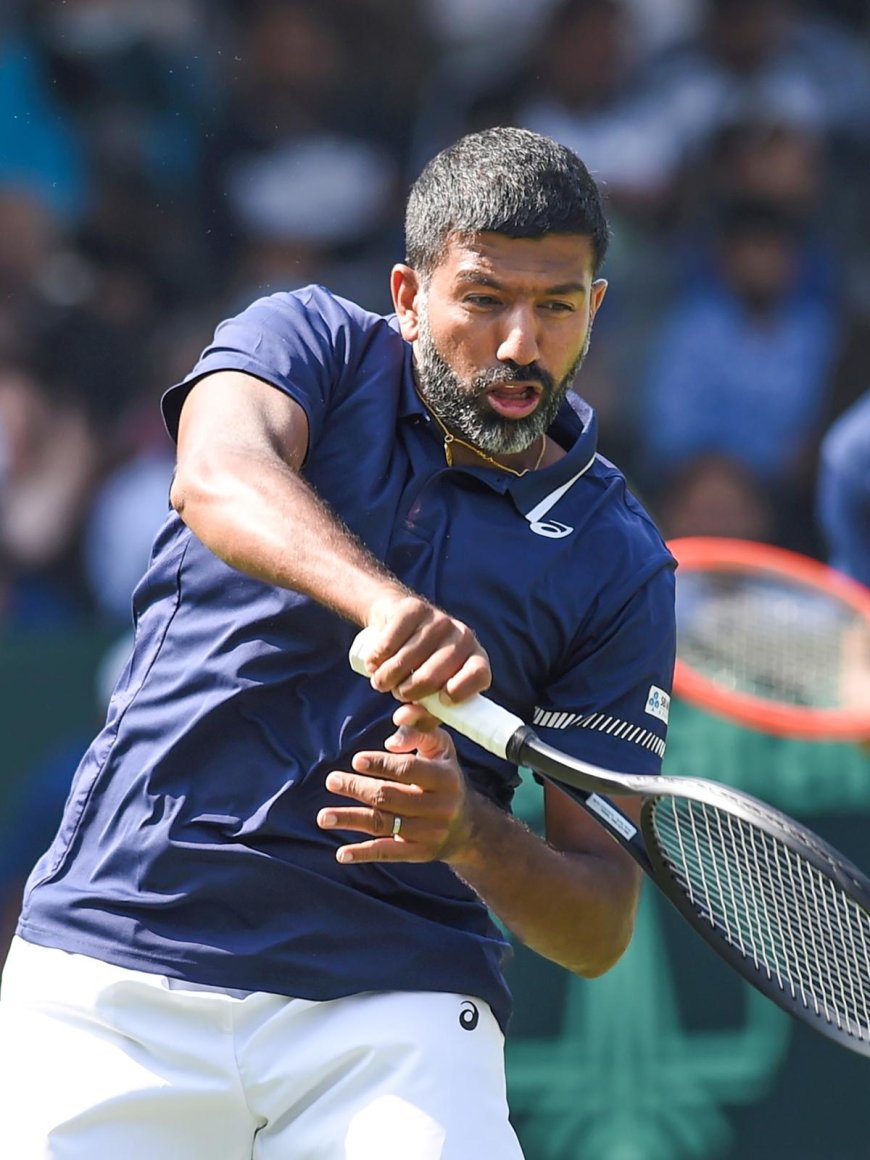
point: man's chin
(509, 437)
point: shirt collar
(575, 428)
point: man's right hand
(419, 649)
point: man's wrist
(479, 817)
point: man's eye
(481, 300)
(558, 307)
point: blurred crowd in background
(164, 163)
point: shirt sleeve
(302, 343)
(610, 707)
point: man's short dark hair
(504, 181)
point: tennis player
(263, 929)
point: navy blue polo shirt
(189, 844)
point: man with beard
(264, 926)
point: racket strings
(768, 637)
(792, 921)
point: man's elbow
(177, 494)
(195, 487)
(604, 956)
(612, 936)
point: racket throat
(522, 745)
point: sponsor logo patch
(658, 703)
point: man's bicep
(231, 412)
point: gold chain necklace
(450, 439)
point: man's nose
(519, 339)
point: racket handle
(478, 718)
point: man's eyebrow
(567, 288)
(478, 278)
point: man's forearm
(257, 514)
(576, 909)
(268, 522)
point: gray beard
(463, 410)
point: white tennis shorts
(98, 1061)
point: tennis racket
(783, 908)
(772, 639)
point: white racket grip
(478, 718)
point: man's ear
(599, 289)
(407, 299)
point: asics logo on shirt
(553, 529)
(469, 1016)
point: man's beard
(462, 407)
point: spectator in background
(643, 118)
(481, 26)
(714, 495)
(40, 148)
(764, 59)
(742, 366)
(579, 83)
(310, 210)
(33, 241)
(302, 167)
(131, 500)
(775, 163)
(47, 462)
(84, 242)
(137, 81)
(479, 41)
(136, 78)
(844, 491)
(73, 319)
(776, 62)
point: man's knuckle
(399, 768)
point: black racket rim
(527, 748)
(823, 858)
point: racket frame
(583, 782)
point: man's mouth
(514, 400)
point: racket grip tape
(479, 719)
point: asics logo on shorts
(469, 1016)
